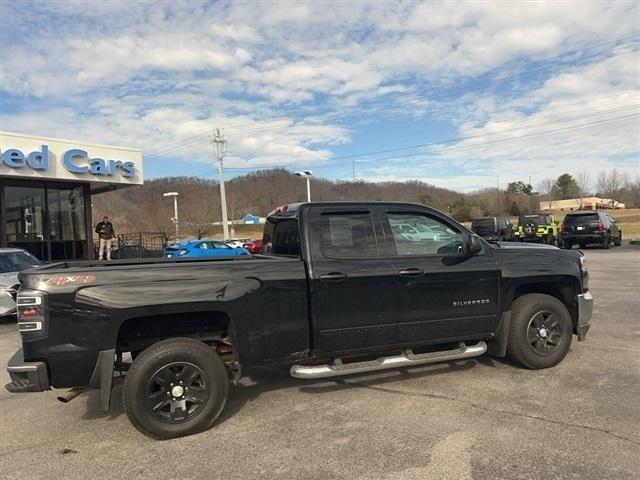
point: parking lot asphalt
(480, 418)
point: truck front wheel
(541, 331)
(175, 387)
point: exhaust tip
(71, 394)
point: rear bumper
(26, 376)
(531, 237)
(585, 311)
(585, 238)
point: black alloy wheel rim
(544, 333)
(177, 392)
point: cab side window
(348, 235)
(426, 235)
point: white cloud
(584, 120)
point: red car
(254, 247)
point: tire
(606, 243)
(618, 242)
(549, 239)
(541, 331)
(567, 245)
(176, 413)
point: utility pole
(498, 191)
(174, 219)
(219, 148)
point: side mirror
(475, 245)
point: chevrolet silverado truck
(337, 290)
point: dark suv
(585, 227)
(493, 228)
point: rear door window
(348, 235)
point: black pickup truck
(339, 289)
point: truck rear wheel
(541, 331)
(175, 387)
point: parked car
(493, 228)
(237, 242)
(337, 292)
(538, 227)
(254, 246)
(12, 262)
(203, 248)
(586, 227)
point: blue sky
(449, 93)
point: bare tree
(547, 187)
(583, 180)
(610, 184)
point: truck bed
(148, 262)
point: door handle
(411, 272)
(333, 276)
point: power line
(440, 142)
(458, 139)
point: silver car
(12, 261)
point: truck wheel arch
(136, 333)
(564, 290)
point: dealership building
(46, 191)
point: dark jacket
(105, 230)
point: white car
(12, 261)
(237, 242)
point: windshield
(482, 222)
(17, 261)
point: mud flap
(497, 346)
(102, 377)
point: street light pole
(307, 174)
(175, 211)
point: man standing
(105, 232)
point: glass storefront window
(66, 214)
(24, 211)
(48, 221)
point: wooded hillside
(143, 208)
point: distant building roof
(250, 218)
(586, 203)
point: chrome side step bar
(407, 359)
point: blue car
(203, 248)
